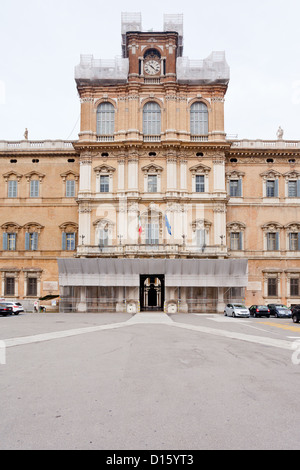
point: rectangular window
(11, 241)
(103, 237)
(236, 240)
(9, 288)
(31, 241)
(68, 241)
(32, 286)
(235, 188)
(272, 241)
(152, 234)
(12, 188)
(104, 183)
(292, 188)
(294, 285)
(200, 185)
(294, 240)
(272, 287)
(200, 237)
(152, 183)
(70, 188)
(272, 188)
(34, 188)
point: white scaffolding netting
(212, 69)
(126, 272)
(99, 69)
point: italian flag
(140, 225)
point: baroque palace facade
(153, 206)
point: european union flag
(168, 225)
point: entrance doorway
(152, 291)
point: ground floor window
(294, 286)
(32, 286)
(9, 286)
(272, 287)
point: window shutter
(27, 241)
(12, 188)
(298, 188)
(276, 188)
(240, 240)
(239, 188)
(63, 241)
(298, 241)
(4, 241)
(277, 241)
(35, 240)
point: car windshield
(239, 305)
(281, 306)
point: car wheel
(233, 314)
(276, 315)
(16, 313)
(268, 316)
(295, 319)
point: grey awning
(178, 272)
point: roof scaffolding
(104, 70)
(212, 69)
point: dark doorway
(152, 291)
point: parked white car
(16, 306)
(236, 310)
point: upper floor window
(199, 119)
(9, 241)
(70, 188)
(104, 183)
(12, 188)
(34, 188)
(235, 188)
(152, 233)
(272, 188)
(151, 119)
(199, 184)
(272, 241)
(152, 184)
(293, 188)
(31, 241)
(105, 119)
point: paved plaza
(148, 381)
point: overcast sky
(41, 42)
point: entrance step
(150, 317)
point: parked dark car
(259, 311)
(5, 309)
(296, 313)
(280, 310)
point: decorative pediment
(69, 174)
(234, 174)
(12, 174)
(33, 227)
(68, 227)
(236, 226)
(293, 174)
(32, 174)
(272, 226)
(11, 227)
(104, 169)
(103, 223)
(270, 174)
(293, 227)
(152, 168)
(202, 224)
(200, 169)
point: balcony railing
(145, 249)
(36, 145)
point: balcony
(162, 249)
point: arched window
(105, 119)
(199, 119)
(151, 119)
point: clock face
(152, 67)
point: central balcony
(162, 249)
